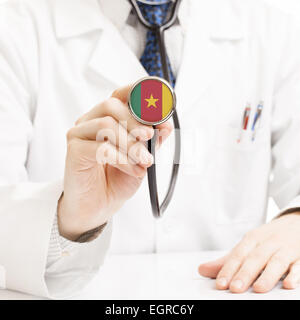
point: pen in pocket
(256, 119)
(245, 121)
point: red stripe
(154, 88)
(246, 123)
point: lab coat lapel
(76, 17)
(114, 60)
(211, 23)
(111, 58)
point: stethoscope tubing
(158, 209)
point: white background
(289, 6)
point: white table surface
(162, 276)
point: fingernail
(145, 157)
(222, 282)
(294, 283)
(237, 284)
(140, 172)
(142, 133)
(147, 134)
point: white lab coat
(59, 58)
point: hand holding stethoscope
(169, 106)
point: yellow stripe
(167, 101)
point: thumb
(122, 93)
(212, 268)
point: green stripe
(136, 100)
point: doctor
(65, 67)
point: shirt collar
(120, 17)
(76, 17)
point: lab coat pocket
(241, 175)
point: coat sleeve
(28, 209)
(285, 186)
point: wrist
(64, 228)
(74, 228)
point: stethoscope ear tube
(157, 209)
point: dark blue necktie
(156, 14)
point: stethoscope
(158, 209)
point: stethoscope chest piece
(152, 101)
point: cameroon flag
(152, 101)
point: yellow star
(151, 102)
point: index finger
(234, 262)
(120, 94)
